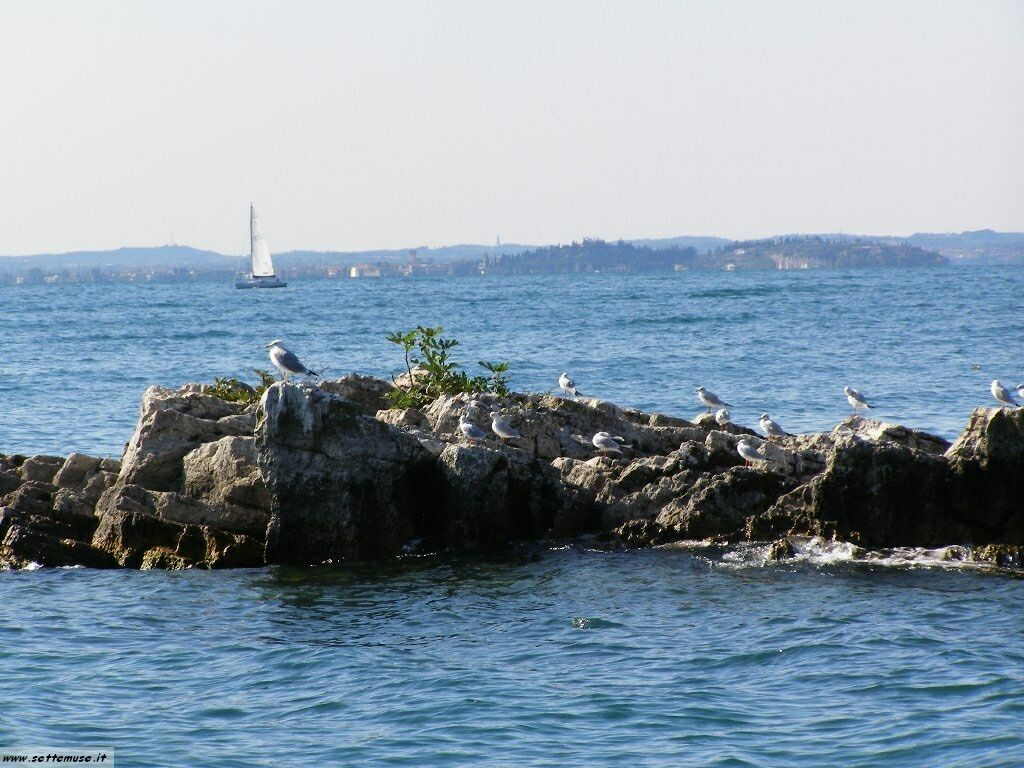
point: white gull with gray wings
(710, 400)
(286, 362)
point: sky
(357, 125)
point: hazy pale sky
(362, 124)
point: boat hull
(260, 282)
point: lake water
(660, 658)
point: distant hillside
(815, 252)
(700, 244)
(443, 255)
(586, 256)
(981, 246)
(791, 251)
(155, 256)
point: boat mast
(252, 239)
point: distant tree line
(794, 252)
(588, 255)
(815, 252)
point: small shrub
(237, 391)
(427, 351)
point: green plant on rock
(430, 371)
(237, 391)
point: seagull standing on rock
(470, 430)
(748, 451)
(722, 416)
(567, 385)
(609, 443)
(502, 427)
(710, 400)
(771, 428)
(1000, 393)
(855, 399)
(286, 362)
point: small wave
(587, 622)
(208, 334)
(695, 319)
(668, 320)
(738, 293)
(815, 550)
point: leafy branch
(430, 371)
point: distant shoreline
(179, 263)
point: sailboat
(261, 270)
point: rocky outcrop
(171, 424)
(224, 477)
(494, 496)
(717, 505)
(873, 494)
(343, 485)
(322, 473)
(553, 427)
(136, 535)
(987, 461)
(365, 391)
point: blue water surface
(574, 657)
(923, 343)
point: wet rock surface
(325, 473)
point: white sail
(262, 265)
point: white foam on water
(815, 550)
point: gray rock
(881, 431)
(133, 528)
(75, 510)
(76, 470)
(365, 391)
(32, 497)
(22, 545)
(987, 461)
(403, 417)
(496, 496)
(873, 494)
(10, 479)
(110, 465)
(224, 476)
(171, 424)
(344, 486)
(553, 426)
(40, 468)
(719, 505)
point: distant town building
(364, 270)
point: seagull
(855, 399)
(567, 385)
(722, 416)
(710, 400)
(502, 428)
(286, 362)
(1000, 393)
(470, 430)
(747, 449)
(1020, 391)
(606, 442)
(770, 428)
